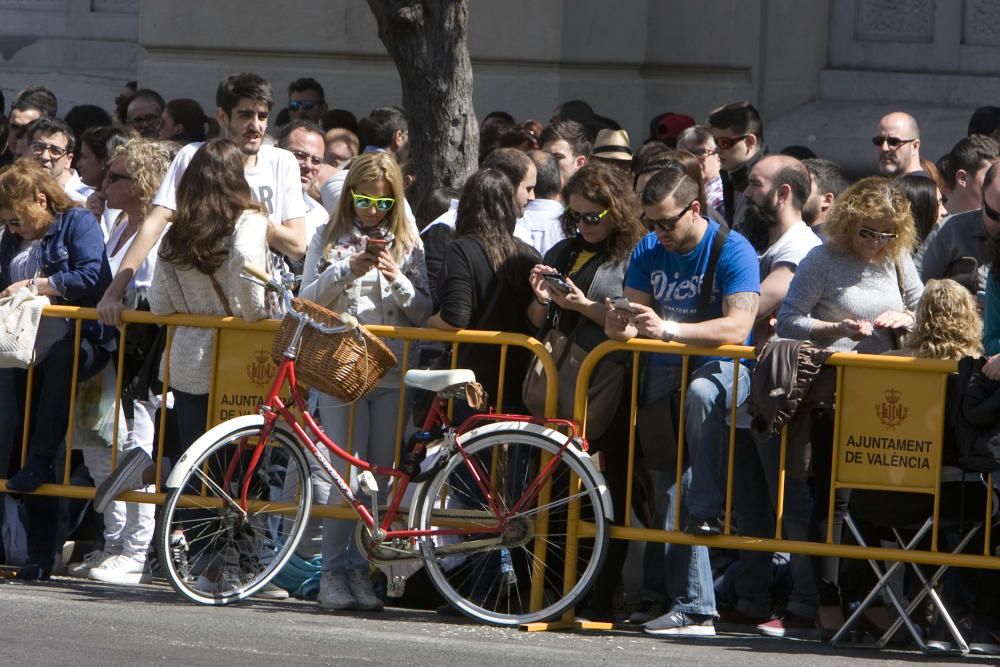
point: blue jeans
(688, 578)
(755, 490)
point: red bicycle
(489, 517)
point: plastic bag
(95, 412)
(15, 539)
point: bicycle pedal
(367, 482)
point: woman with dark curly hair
(601, 224)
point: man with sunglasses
(960, 247)
(667, 272)
(739, 135)
(897, 145)
(306, 100)
(50, 143)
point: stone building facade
(821, 71)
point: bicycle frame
(274, 408)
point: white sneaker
(271, 592)
(359, 582)
(334, 593)
(89, 562)
(121, 570)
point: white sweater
(177, 290)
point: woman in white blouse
(368, 261)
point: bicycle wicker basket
(346, 365)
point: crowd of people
(698, 235)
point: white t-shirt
(316, 217)
(790, 249)
(274, 182)
(143, 277)
(522, 228)
(541, 224)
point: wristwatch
(670, 329)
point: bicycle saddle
(438, 381)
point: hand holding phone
(374, 247)
(621, 303)
(556, 282)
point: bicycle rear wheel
(492, 576)
(212, 549)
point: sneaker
(179, 555)
(334, 593)
(704, 527)
(647, 611)
(126, 477)
(734, 620)
(120, 569)
(791, 626)
(984, 641)
(939, 638)
(89, 562)
(680, 624)
(359, 581)
(271, 592)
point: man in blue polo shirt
(667, 270)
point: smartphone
(557, 282)
(374, 247)
(621, 303)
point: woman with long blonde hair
(946, 325)
(368, 261)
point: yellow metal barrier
(266, 327)
(895, 374)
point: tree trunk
(427, 41)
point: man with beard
(739, 135)
(244, 102)
(828, 181)
(777, 189)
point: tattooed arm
(739, 311)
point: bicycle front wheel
(514, 571)
(215, 549)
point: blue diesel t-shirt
(673, 279)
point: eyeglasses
(149, 119)
(725, 143)
(991, 212)
(305, 105)
(878, 237)
(702, 153)
(39, 147)
(114, 177)
(894, 142)
(383, 204)
(665, 224)
(575, 217)
(13, 222)
(306, 157)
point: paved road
(79, 623)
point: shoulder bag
(20, 315)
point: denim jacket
(74, 260)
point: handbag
(603, 394)
(20, 315)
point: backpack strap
(708, 282)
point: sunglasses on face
(19, 130)
(894, 142)
(305, 105)
(139, 121)
(702, 153)
(991, 212)
(879, 237)
(665, 224)
(725, 143)
(306, 157)
(39, 147)
(114, 177)
(362, 202)
(575, 217)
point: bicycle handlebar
(348, 321)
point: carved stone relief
(895, 20)
(982, 23)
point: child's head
(948, 325)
